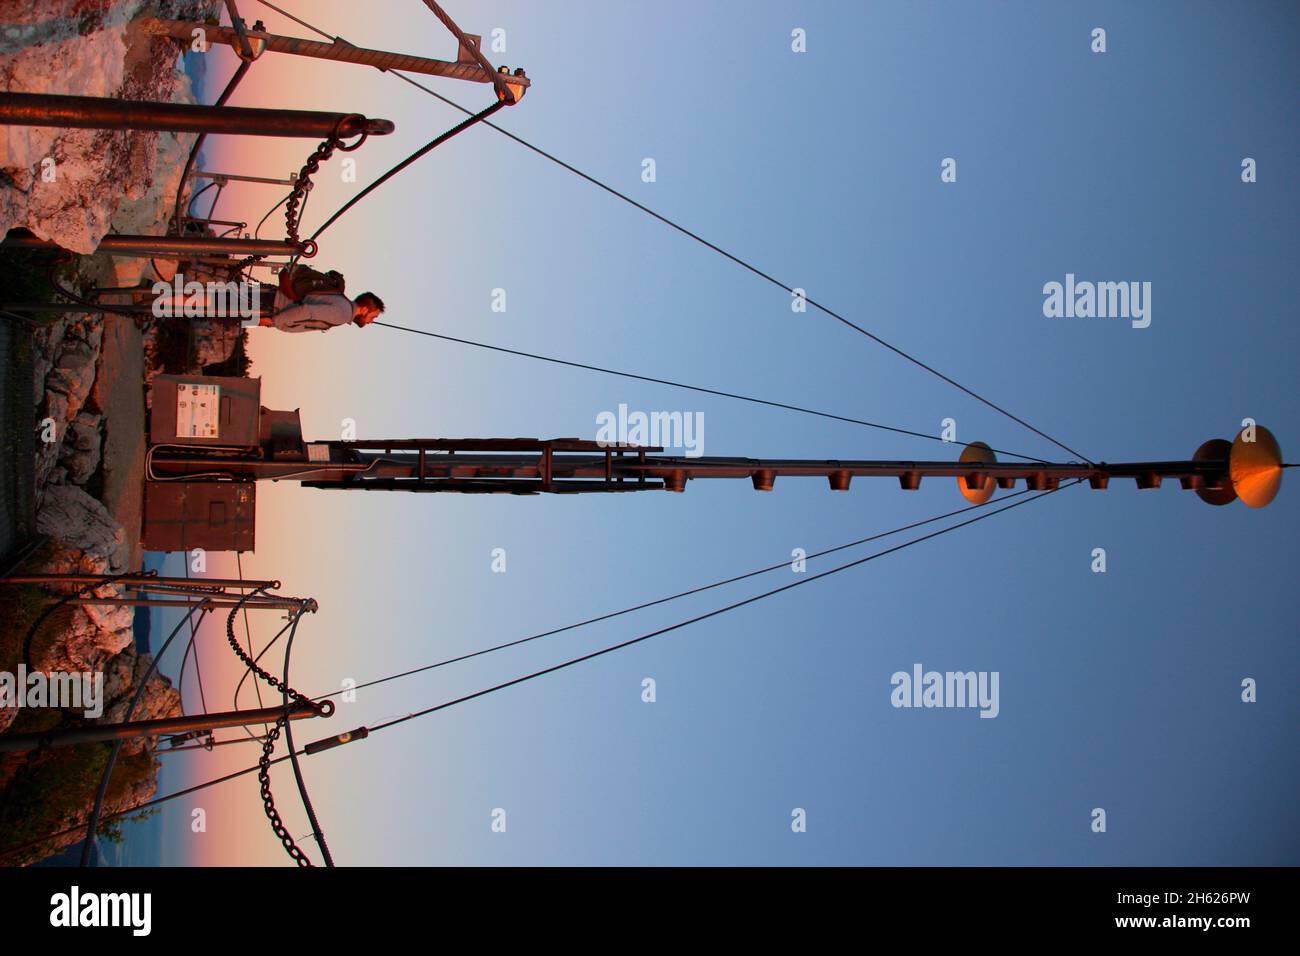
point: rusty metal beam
(491, 444)
(212, 600)
(175, 246)
(237, 178)
(106, 112)
(525, 466)
(340, 51)
(497, 486)
(94, 733)
(142, 581)
(69, 307)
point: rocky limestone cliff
(102, 181)
(86, 48)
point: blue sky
(1118, 690)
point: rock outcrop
(68, 184)
(82, 443)
(82, 525)
(66, 355)
(73, 187)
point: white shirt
(318, 312)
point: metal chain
(310, 168)
(302, 183)
(268, 801)
(252, 664)
(268, 745)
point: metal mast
(1249, 468)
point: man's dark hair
(370, 299)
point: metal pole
(233, 178)
(176, 246)
(218, 222)
(566, 466)
(62, 307)
(390, 462)
(96, 733)
(100, 112)
(253, 604)
(133, 308)
(340, 50)
(142, 580)
(204, 746)
(273, 264)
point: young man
(322, 311)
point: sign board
(206, 410)
(197, 408)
